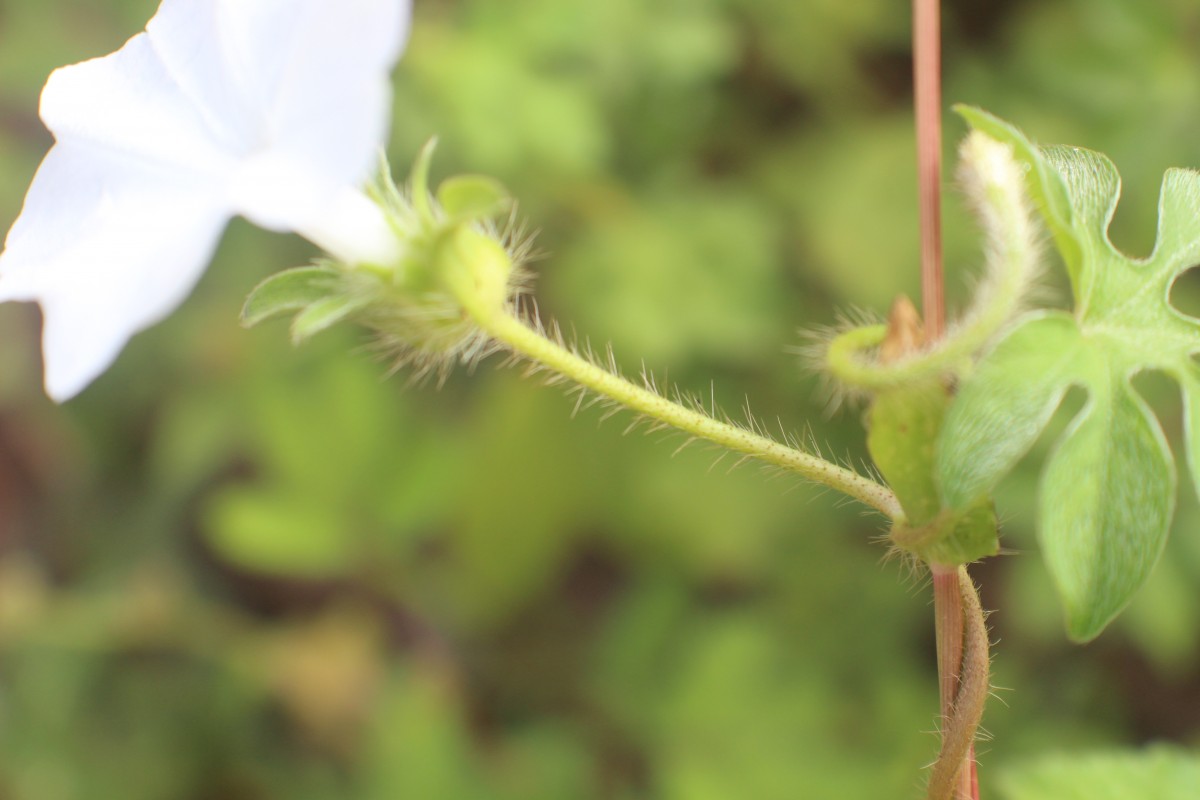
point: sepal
(288, 291)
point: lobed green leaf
(1107, 496)
(1000, 411)
(1108, 491)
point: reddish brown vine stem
(949, 584)
(927, 83)
(953, 776)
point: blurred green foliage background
(235, 570)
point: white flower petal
(332, 104)
(108, 246)
(352, 228)
(313, 73)
(276, 193)
(126, 103)
(274, 109)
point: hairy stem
(948, 626)
(963, 671)
(994, 184)
(525, 341)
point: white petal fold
(271, 109)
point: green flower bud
(454, 268)
(475, 268)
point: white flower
(270, 109)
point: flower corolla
(274, 110)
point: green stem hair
(994, 184)
(530, 343)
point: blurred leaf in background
(1161, 773)
(234, 569)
